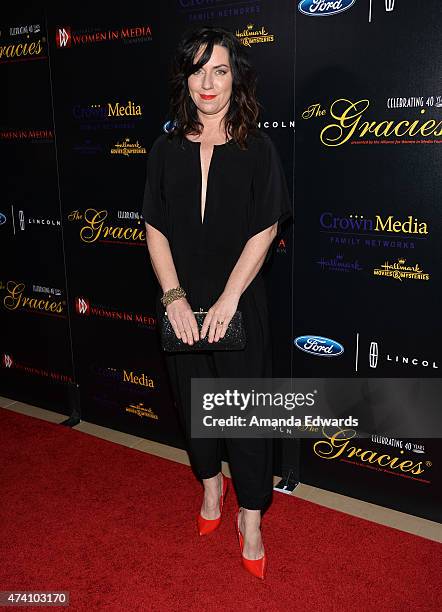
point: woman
(214, 198)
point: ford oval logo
(2, 219)
(324, 8)
(319, 346)
(169, 126)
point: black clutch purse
(234, 339)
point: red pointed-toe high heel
(257, 567)
(206, 526)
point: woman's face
(211, 86)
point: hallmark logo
(338, 264)
(249, 36)
(141, 411)
(126, 148)
(400, 271)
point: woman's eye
(219, 71)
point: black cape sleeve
(270, 198)
(153, 208)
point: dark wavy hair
(243, 110)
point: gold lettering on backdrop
(15, 299)
(140, 410)
(313, 110)
(75, 215)
(96, 229)
(119, 111)
(250, 36)
(128, 148)
(350, 123)
(410, 226)
(138, 380)
(399, 270)
(21, 49)
(338, 445)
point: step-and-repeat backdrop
(358, 273)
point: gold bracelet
(172, 294)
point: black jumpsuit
(246, 193)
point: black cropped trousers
(250, 459)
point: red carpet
(116, 528)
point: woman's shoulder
(159, 142)
(162, 146)
(168, 141)
(259, 140)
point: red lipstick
(206, 97)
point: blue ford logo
(169, 126)
(319, 346)
(324, 8)
(2, 219)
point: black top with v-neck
(246, 193)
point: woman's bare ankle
(212, 494)
(249, 524)
(250, 520)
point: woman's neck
(213, 126)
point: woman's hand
(183, 320)
(222, 310)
